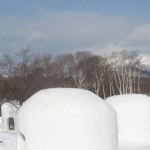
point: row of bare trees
(27, 72)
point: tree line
(26, 72)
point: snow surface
(7, 141)
(0, 124)
(8, 110)
(66, 119)
(133, 114)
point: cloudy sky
(62, 26)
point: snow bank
(8, 110)
(66, 119)
(133, 114)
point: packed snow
(8, 110)
(66, 119)
(133, 115)
(7, 139)
(0, 124)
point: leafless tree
(80, 78)
(26, 72)
(7, 66)
(125, 71)
(80, 69)
(82, 56)
(97, 66)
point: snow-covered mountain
(145, 60)
(145, 65)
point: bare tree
(80, 69)
(80, 78)
(82, 56)
(7, 66)
(26, 72)
(125, 71)
(97, 66)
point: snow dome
(133, 114)
(66, 119)
(8, 111)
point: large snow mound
(66, 119)
(133, 114)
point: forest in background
(26, 72)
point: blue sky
(62, 26)
(133, 8)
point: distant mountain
(145, 63)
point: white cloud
(36, 35)
(60, 32)
(139, 39)
(141, 33)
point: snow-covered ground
(7, 139)
(133, 113)
(0, 124)
(135, 148)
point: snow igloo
(8, 112)
(133, 115)
(66, 119)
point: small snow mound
(66, 119)
(8, 110)
(133, 114)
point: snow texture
(66, 119)
(0, 124)
(133, 115)
(7, 141)
(8, 110)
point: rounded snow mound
(67, 119)
(8, 110)
(133, 114)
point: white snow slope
(133, 114)
(66, 119)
